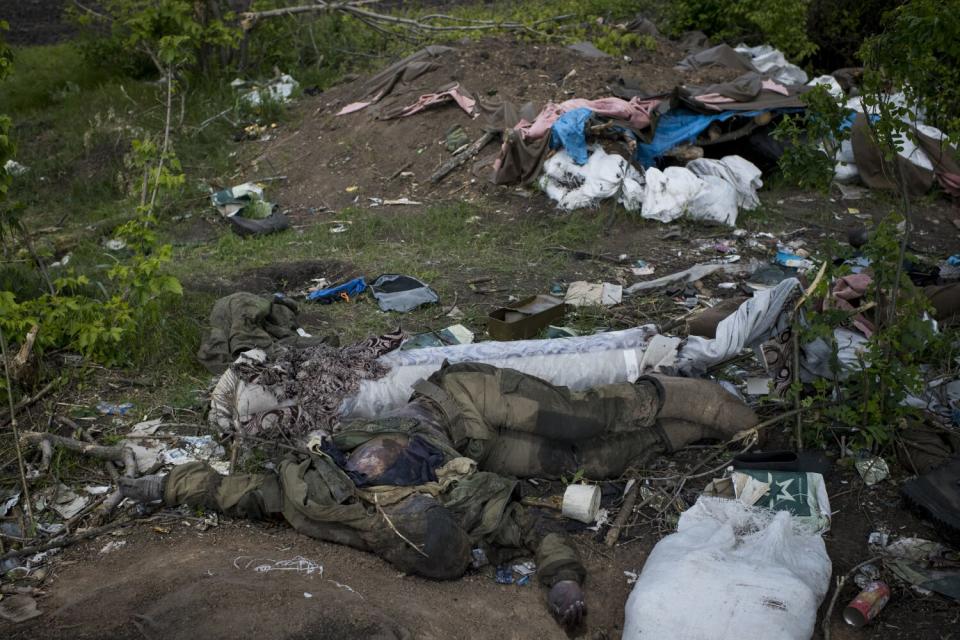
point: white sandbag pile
(773, 63)
(605, 175)
(730, 572)
(706, 189)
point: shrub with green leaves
(781, 24)
(812, 140)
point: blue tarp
(568, 132)
(680, 125)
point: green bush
(781, 24)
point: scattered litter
(402, 293)
(632, 576)
(878, 539)
(67, 503)
(111, 409)
(345, 292)
(8, 500)
(758, 386)
(872, 470)
(112, 546)
(18, 608)
(478, 558)
(248, 213)
(504, 574)
(14, 168)
(581, 294)
(793, 261)
(345, 587)
(278, 90)
(524, 319)
(298, 564)
(868, 573)
(581, 502)
(527, 568)
(641, 268)
(867, 604)
(339, 228)
(307, 594)
(376, 202)
(115, 244)
(603, 518)
(454, 334)
(352, 189)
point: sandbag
(605, 175)
(730, 572)
(668, 193)
(739, 172)
(716, 202)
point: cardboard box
(525, 319)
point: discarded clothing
(848, 290)
(694, 273)
(722, 55)
(603, 176)
(568, 133)
(455, 93)
(759, 318)
(247, 212)
(635, 112)
(402, 72)
(402, 293)
(243, 321)
(749, 92)
(346, 291)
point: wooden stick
(833, 601)
(65, 541)
(27, 501)
(626, 510)
(26, 402)
(461, 158)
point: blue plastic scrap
(346, 291)
(679, 125)
(504, 574)
(954, 261)
(569, 132)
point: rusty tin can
(867, 604)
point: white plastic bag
(740, 172)
(730, 572)
(833, 87)
(716, 202)
(668, 193)
(772, 62)
(604, 175)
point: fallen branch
(833, 601)
(116, 453)
(65, 540)
(461, 158)
(26, 402)
(28, 503)
(626, 510)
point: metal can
(867, 604)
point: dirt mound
(332, 162)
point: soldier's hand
(566, 601)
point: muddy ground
(171, 580)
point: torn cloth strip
(401, 72)
(679, 126)
(455, 93)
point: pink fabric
(848, 290)
(776, 87)
(635, 112)
(714, 100)
(465, 101)
(950, 182)
(353, 107)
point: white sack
(833, 87)
(716, 202)
(605, 175)
(740, 172)
(668, 193)
(773, 63)
(730, 572)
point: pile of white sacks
(706, 189)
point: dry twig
(27, 502)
